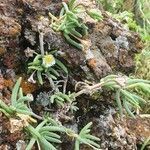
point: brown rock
(2, 50)
(9, 27)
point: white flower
(48, 61)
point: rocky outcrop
(110, 48)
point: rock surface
(111, 49)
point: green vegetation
(46, 65)
(113, 6)
(60, 98)
(70, 24)
(44, 134)
(86, 138)
(126, 90)
(133, 13)
(131, 93)
(95, 14)
(147, 142)
(143, 64)
(18, 104)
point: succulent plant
(46, 65)
(126, 90)
(18, 102)
(44, 134)
(143, 64)
(146, 142)
(70, 24)
(60, 98)
(85, 137)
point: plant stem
(71, 4)
(89, 89)
(118, 100)
(145, 143)
(5, 107)
(33, 131)
(37, 116)
(31, 143)
(41, 43)
(72, 42)
(65, 6)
